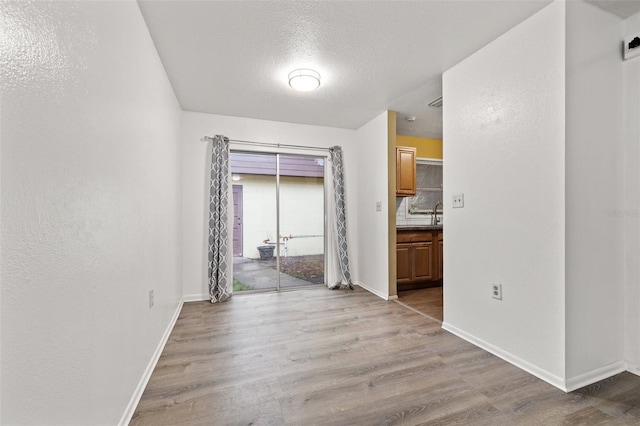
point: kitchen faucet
(434, 217)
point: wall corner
(391, 146)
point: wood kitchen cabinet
(404, 253)
(419, 258)
(423, 261)
(405, 171)
(440, 261)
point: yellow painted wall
(425, 147)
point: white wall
(632, 201)
(90, 209)
(259, 212)
(594, 195)
(504, 149)
(302, 208)
(373, 253)
(195, 157)
(302, 214)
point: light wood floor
(426, 300)
(323, 357)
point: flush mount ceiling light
(304, 80)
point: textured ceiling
(621, 8)
(233, 58)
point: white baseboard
(509, 357)
(596, 375)
(195, 297)
(374, 291)
(142, 384)
(632, 368)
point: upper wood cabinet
(405, 171)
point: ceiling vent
(436, 103)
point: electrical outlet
(151, 301)
(496, 291)
(632, 46)
(458, 201)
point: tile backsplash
(404, 218)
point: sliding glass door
(302, 220)
(279, 220)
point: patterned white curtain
(220, 281)
(337, 215)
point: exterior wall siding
(301, 213)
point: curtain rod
(275, 145)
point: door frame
(277, 154)
(237, 189)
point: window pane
(429, 188)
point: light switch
(378, 206)
(458, 201)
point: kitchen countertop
(419, 228)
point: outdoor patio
(296, 271)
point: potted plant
(266, 252)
